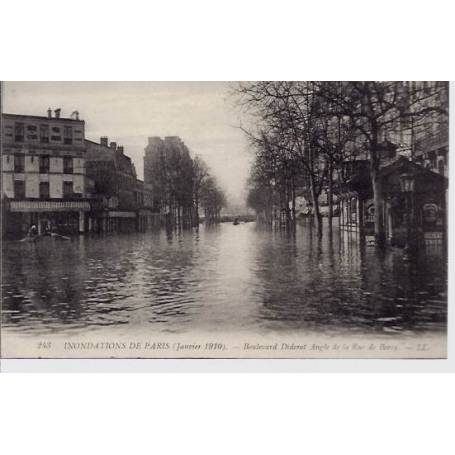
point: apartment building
(43, 173)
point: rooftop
(43, 117)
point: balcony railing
(28, 206)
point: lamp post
(407, 182)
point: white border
(273, 365)
(232, 40)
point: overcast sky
(201, 113)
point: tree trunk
(316, 212)
(196, 215)
(330, 195)
(293, 205)
(378, 196)
(379, 229)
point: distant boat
(236, 222)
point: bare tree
(321, 124)
(213, 200)
(377, 109)
(290, 112)
(200, 176)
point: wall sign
(430, 213)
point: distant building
(43, 173)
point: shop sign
(369, 211)
(430, 213)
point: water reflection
(224, 278)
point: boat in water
(51, 236)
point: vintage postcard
(284, 219)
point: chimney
(57, 113)
(49, 113)
(120, 149)
(75, 115)
(113, 145)
(103, 140)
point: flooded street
(222, 279)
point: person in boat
(33, 231)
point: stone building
(121, 202)
(147, 216)
(414, 146)
(43, 173)
(115, 202)
(424, 139)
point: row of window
(31, 132)
(19, 190)
(44, 160)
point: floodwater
(222, 279)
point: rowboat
(51, 236)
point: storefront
(414, 205)
(146, 220)
(355, 202)
(63, 217)
(413, 208)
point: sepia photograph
(226, 227)
(281, 219)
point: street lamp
(407, 182)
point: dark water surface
(227, 278)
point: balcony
(49, 206)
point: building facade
(422, 210)
(121, 202)
(147, 216)
(423, 139)
(415, 145)
(43, 173)
(115, 203)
